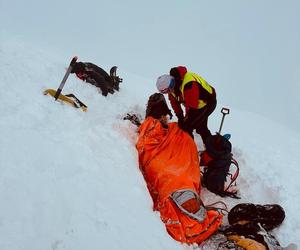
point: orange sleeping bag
(168, 159)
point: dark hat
(178, 72)
(157, 106)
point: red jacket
(191, 92)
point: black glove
(170, 114)
(181, 121)
(135, 119)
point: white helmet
(165, 83)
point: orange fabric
(168, 159)
(191, 205)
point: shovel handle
(224, 111)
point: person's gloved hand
(170, 114)
(181, 123)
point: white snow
(70, 180)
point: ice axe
(224, 111)
(62, 84)
(70, 98)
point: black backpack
(216, 170)
(253, 221)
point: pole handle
(224, 111)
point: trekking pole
(58, 91)
(224, 111)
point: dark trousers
(199, 120)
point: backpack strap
(234, 176)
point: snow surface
(70, 180)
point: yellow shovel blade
(64, 98)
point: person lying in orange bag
(169, 161)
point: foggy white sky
(245, 47)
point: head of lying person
(158, 109)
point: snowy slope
(70, 180)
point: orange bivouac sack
(168, 159)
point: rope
(235, 175)
(213, 207)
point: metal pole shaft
(58, 91)
(221, 124)
(62, 83)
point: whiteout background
(69, 180)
